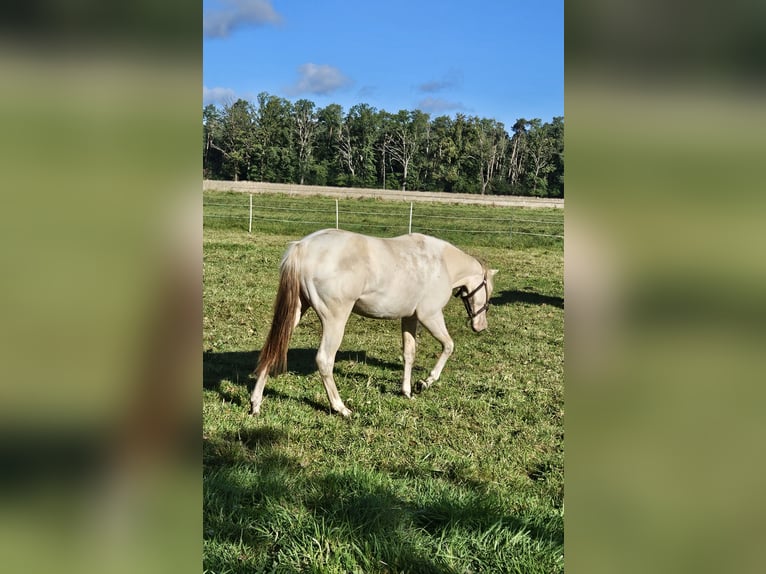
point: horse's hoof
(345, 412)
(254, 411)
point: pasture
(466, 477)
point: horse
(337, 272)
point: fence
(290, 214)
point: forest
(276, 140)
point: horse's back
(380, 277)
(333, 251)
(339, 251)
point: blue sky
(499, 59)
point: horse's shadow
(509, 297)
(236, 367)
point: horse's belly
(379, 309)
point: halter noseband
(466, 296)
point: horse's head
(476, 294)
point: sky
(496, 59)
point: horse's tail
(273, 357)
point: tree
(279, 141)
(541, 147)
(406, 131)
(556, 175)
(329, 122)
(276, 157)
(357, 143)
(466, 168)
(305, 120)
(346, 152)
(442, 154)
(489, 148)
(233, 137)
(517, 161)
(382, 146)
(212, 126)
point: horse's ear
(492, 272)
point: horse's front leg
(409, 345)
(332, 335)
(436, 326)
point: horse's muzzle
(480, 325)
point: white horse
(338, 272)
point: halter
(466, 296)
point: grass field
(467, 477)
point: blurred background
(101, 280)
(100, 244)
(665, 315)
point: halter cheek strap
(466, 296)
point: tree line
(279, 141)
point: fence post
(336, 214)
(410, 227)
(250, 224)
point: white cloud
(217, 95)
(318, 79)
(233, 14)
(439, 106)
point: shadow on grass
(237, 366)
(275, 511)
(530, 297)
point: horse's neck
(460, 266)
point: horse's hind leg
(257, 397)
(332, 335)
(409, 344)
(436, 326)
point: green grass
(459, 223)
(467, 477)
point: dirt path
(292, 189)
